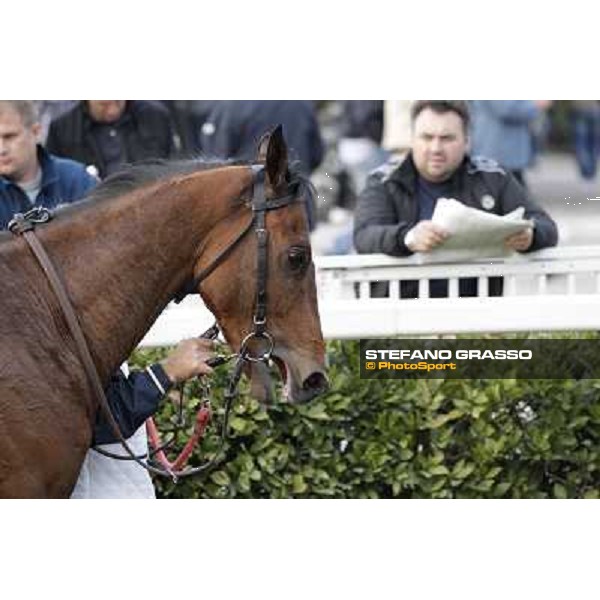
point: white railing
(550, 290)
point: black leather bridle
(260, 206)
(24, 225)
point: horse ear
(263, 145)
(272, 150)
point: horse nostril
(316, 383)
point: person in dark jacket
(29, 176)
(133, 398)
(393, 214)
(235, 127)
(106, 134)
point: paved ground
(555, 184)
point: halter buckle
(27, 221)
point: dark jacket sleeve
(132, 400)
(377, 226)
(545, 232)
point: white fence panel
(554, 289)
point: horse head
(233, 292)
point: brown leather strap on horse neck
(24, 225)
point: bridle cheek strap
(260, 207)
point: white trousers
(103, 477)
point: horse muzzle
(303, 378)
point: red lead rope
(202, 419)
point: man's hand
(520, 241)
(425, 236)
(189, 359)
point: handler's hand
(189, 359)
(425, 236)
(520, 241)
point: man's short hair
(460, 107)
(26, 109)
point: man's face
(439, 144)
(106, 111)
(18, 154)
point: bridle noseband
(24, 225)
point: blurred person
(235, 127)
(105, 134)
(393, 214)
(29, 175)
(503, 131)
(359, 148)
(585, 124)
(359, 151)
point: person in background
(503, 131)
(29, 175)
(394, 212)
(359, 148)
(235, 127)
(133, 397)
(105, 134)
(585, 119)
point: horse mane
(144, 173)
(136, 176)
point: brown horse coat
(122, 258)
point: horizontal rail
(551, 290)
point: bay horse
(124, 253)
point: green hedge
(403, 439)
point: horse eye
(298, 259)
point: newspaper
(473, 233)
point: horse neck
(124, 259)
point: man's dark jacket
(388, 208)
(234, 128)
(145, 128)
(63, 181)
